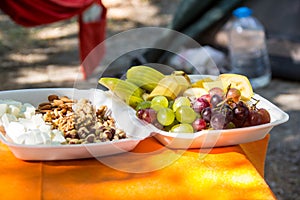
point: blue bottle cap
(242, 12)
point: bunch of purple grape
(224, 111)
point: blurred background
(48, 56)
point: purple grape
(199, 124)
(221, 116)
(254, 118)
(200, 104)
(206, 114)
(240, 114)
(228, 113)
(148, 115)
(215, 100)
(217, 121)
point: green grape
(156, 107)
(168, 128)
(181, 101)
(160, 100)
(165, 116)
(185, 114)
(182, 128)
(143, 105)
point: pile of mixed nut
(79, 121)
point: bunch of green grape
(174, 116)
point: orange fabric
(233, 172)
(255, 154)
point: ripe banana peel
(171, 86)
(144, 77)
(127, 91)
(181, 73)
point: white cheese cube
(45, 137)
(14, 131)
(6, 119)
(57, 137)
(28, 110)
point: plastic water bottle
(247, 48)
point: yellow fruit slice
(209, 85)
(199, 83)
(239, 82)
(170, 87)
(194, 92)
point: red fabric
(91, 35)
(37, 12)
(31, 13)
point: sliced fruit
(212, 84)
(194, 92)
(171, 86)
(182, 82)
(199, 83)
(144, 77)
(169, 90)
(127, 91)
(239, 82)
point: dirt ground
(47, 56)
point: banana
(181, 73)
(144, 77)
(127, 91)
(171, 86)
(165, 88)
(183, 82)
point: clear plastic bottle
(247, 48)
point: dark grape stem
(227, 90)
(253, 106)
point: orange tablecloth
(234, 172)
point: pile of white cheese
(23, 126)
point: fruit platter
(196, 111)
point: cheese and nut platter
(64, 124)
